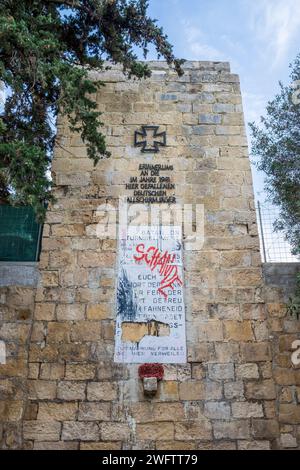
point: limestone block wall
(16, 313)
(284, 330)
(224, 397)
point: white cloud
(197, 46)
(275, 23)
(254, 106)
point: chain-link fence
(20, 234)
(274, 246)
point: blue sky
(260, 38)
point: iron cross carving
(149, 139)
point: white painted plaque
(150, 321)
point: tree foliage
(47, 49)
(276, 146)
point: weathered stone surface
(260, 390)
(98, 311)
(169, 390)
(41, 430)
(191, 390)
(254, 445)
(101, 391)
(238, 331)
(68, 391)
(247, 371)
(284, 375)
(270, 409)
(85, 331)
(83, 431)
(217, 410)
(44, 311)
(57, 411)
(221, 371)
(11, 410)
(71, 390)
(152, 431)
(61, 445)
(94, 411)
(41, 389)
(70, 312)
(167, 411)
(52, 371)
(80, 371)
(288, 441)
(199, 430)
(289, 413)
(247, 410)
(256, 352)
(253, 311)
(276, 309)
(234, 389)
(237, 429)
(58, 332)
(227, 352)
(265, 428)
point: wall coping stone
(19, 274)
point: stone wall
(225, 396)
(17, 292)
(284, 330)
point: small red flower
(151, 370)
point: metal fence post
(39, 243)
(262, 232)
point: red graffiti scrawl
(154, 258)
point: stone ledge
(188, 64)
(114, 72)
(280, 274)
(281, 277)
(18, 274)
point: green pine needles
(47, 49)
